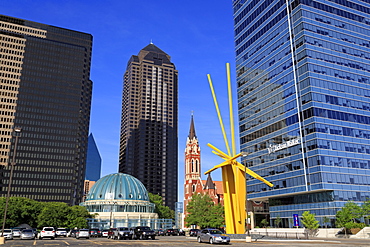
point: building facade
(93, 162)
(148, 141)
(45, 90)
(193, 183)
(303, 81)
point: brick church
(193, 182)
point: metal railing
(286, 235)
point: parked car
(27, 234)
(72, 233)
(181, 232)
(172, 232)
(83, 233)
(143, 232)
(47, 232)
(97, 232)
(122, 233)
(160, 232)
(213, 236)
(111, 232)
(61, 232)
(16, 232)
(8, 234)
(93, 233)
(104, 233)
(193, 232)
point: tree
(164, 212)
(277, 221)
(366, 209)
(309, 221)
(202, 211)
(264, 223)
(325, 220)
(53, 214)
(347, 216)
(20, 210)
(77, 217)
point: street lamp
(245, 154)
(17, 132)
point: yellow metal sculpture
(233, 172)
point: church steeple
(192, 154)
(192, 129)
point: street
(185, 241)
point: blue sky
(198, 35)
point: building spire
(192, 128)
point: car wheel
(211, 240)
(153, 237)
(199, 241)
(52, 238)
(41, 238)
(141, 237)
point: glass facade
(303, 79)
(93, 162)
(45, 90)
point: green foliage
(325, 220)
(77, 217)
(278, 221)
(204, 213)
(264, 223)
(350, 212)
(366, 208)
(39, 214)
(352, 224)
(164, 212)
(309, 221)
(20, 210)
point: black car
(172, 232)
(143, 232)
(160, 232)
(193, 232)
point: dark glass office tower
(303, 83)
(46, 91)
(148, 143)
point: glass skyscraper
(303, 79)
(93, 161)
(45, 89)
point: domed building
(121, 200)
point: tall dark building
(148, 143)
(46, 91)
(303, 79)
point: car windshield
(28, 230)
(145, 228)
(84, 230)
(7, 230)
(215, 232)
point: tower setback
(148, 141)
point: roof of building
(118, 186)
(217, 186)
(192, 129)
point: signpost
(296, 220)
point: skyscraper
(303, 80)
(46, 91)
(148, 142)
(93, 162)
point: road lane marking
(66, 242)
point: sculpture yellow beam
(233, 173)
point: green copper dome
(118, 186)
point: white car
(27, 234)
(61, 232)
(83, 233)
(8, 234)
(47, 232)
(16, 233)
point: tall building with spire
(148, 140)
(193, 183)
(45, 90)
